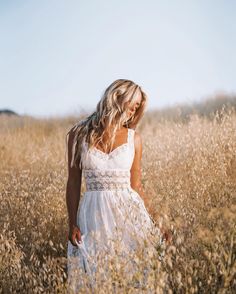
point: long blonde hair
(110, 115)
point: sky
(58, 57)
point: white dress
(109, 209)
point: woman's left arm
(136, 170)
(136, 179)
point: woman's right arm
(73, 190)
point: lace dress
(109, 210)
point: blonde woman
(107, 150)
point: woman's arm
(73, 187)
(136, 173)
(136, 183)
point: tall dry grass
(189, 171)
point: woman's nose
(131, 111)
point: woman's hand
(74, 234)
(166, 235)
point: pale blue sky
(59, 56)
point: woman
(107, 150)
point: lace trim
(97, 180)
(103, 155)
(112, 154)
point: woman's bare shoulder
(71, 134)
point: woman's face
(133, 105)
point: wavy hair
(110, 115)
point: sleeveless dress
(109, 210)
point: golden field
(189, 168)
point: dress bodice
(108, 171)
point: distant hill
(208, 108)
(8, 112)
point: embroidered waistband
(97, 180)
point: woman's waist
(108, 184)
(108, 179)
(91, 173)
